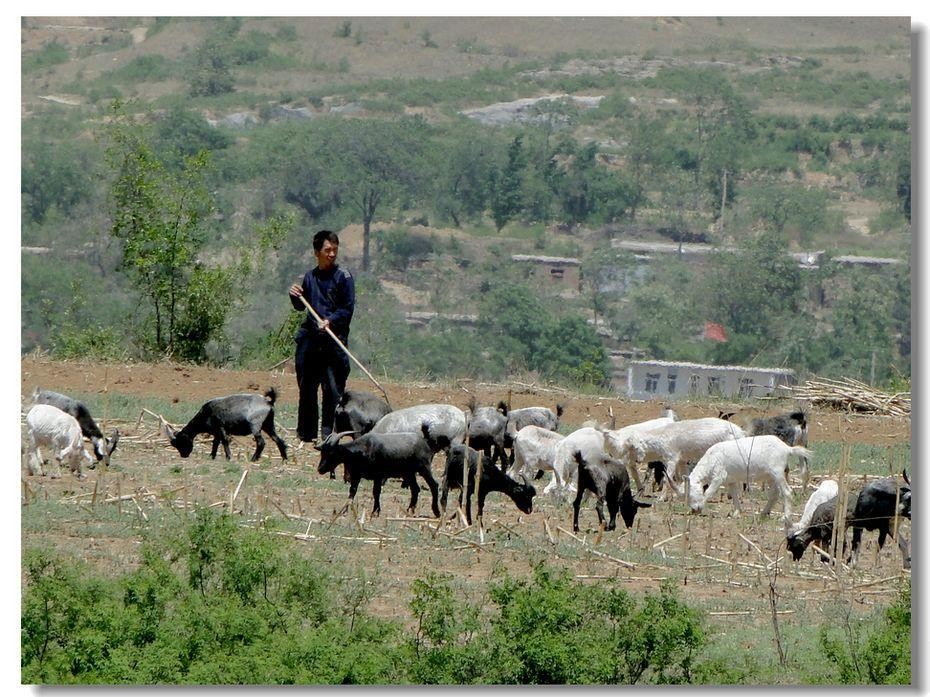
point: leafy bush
(397, 247)
(52, 53)
(874, 652)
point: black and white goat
(103, 446)
(49, 427)
(234, 415)
(609, 481)
(379, 457)
(819, 529)
(492, 479)
(790, 428)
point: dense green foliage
(211, 602)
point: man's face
(326, 257)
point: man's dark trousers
(318, 364)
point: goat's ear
(166, 430)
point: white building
(671, 380)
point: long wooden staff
(343, 347)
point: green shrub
(873, 652)
(52, 53)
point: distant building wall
(669, 380)
(563, 271)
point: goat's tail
(271, 394)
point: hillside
(820, 107)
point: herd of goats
(504, 449)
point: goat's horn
(336, 437)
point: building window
(745, 387)
(672, 379)
(652, 382)
(694, 384)
(713, 385)
(557, 273)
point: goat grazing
(790, 428)
(486, 429)
(492, 479)
(103, 446)
(358, 411)
(731, 463)
(50, 427)
(675, 444)
(616, 441)
(590, 442)
(379, 457)
(234, 415)
(442, 419)
(827, 490)
(608, 480)
(818, 528)
(518, 419)
(879, 505)
(533, 451)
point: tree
(54, 176)
(211, 75)
(462, 174)
(370, 165)
(755, 292)
(158, 217)
(506, 184)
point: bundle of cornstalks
(851, 395)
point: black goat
(608, 481)
(492, 479)
(234, 415)
(876, 508)
(103, 446)
(379, 457)
(359, 410)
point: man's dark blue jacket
(332, 294)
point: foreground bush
(211, 602)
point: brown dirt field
(705, 554)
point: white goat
(827, 491)
(589, 441)
(675, 444)
(616, 440)
(442, 419)
(533, 450)
(50, 427)
(734, 462)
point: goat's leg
(599, 507)
(576, 506)
(268, 427)
(433, 489)
(905, 551)
(259, 446)
(225, 443)
(34, 457)
(613, 506)
(216, 446)
(414, 494)
(376, 494)
(853, 557)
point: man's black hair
(324, 236)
